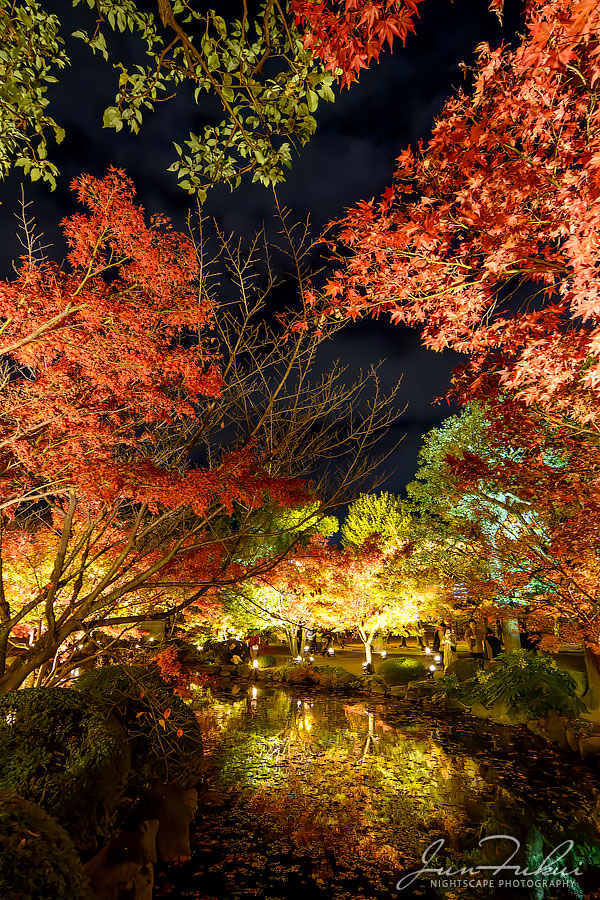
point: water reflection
(315, 796)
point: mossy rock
(464, 669)
(401, 671)
(59, 749)
(38, 860)
(163, 732)
(266, 661)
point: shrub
(401, 671)
(297, 673)
(526, 682)
(38, 860)
(266, 661)
(57, 748)
(164, 735)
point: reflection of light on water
(362, 798)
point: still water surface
(313, 796)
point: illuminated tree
(151, 428)
(383, 517)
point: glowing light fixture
(437, 659)
(298, 659)
(311, 658)
(255, 664)
(432, 668)
(331, 651)
(383, 654)
(427, 651)
(254, 693)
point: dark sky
(350, 158)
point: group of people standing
(482, 643)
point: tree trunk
(290, 636)
(46, 647)
(510, 630)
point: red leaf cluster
(347, 35)
(488, 241)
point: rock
(344, 678)
(504, 714)
(174, 808)
(572, 738)
(398, 690)
(244, 671)
(590, 746)
(124, 868)
(417, 689)
(481, 711)
(580, 679)
(553, 727)
(377, 688)
(463, 669)
(209, 669)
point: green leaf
(112, 117)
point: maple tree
(267, 69)
(321, 585)
(151, 427)
(508, 510)
(486, 240)
(546, 537)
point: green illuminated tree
(384, 517)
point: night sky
(351, 158)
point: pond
(315, 796)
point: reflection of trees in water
(365, 788)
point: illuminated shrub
(37, 857)
(58, 749)
(401, 671)
(266, 661)
(163, 733)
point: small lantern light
(311, 658)
(298, 659)
(331, 651)
(437, 659)
(383, 654)
(427, 651)
(254, 693)
(255, 664)
(432, 668)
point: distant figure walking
(254, 644)
(492, 644)
(438, 636)
(475, 636)
(448, 647)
